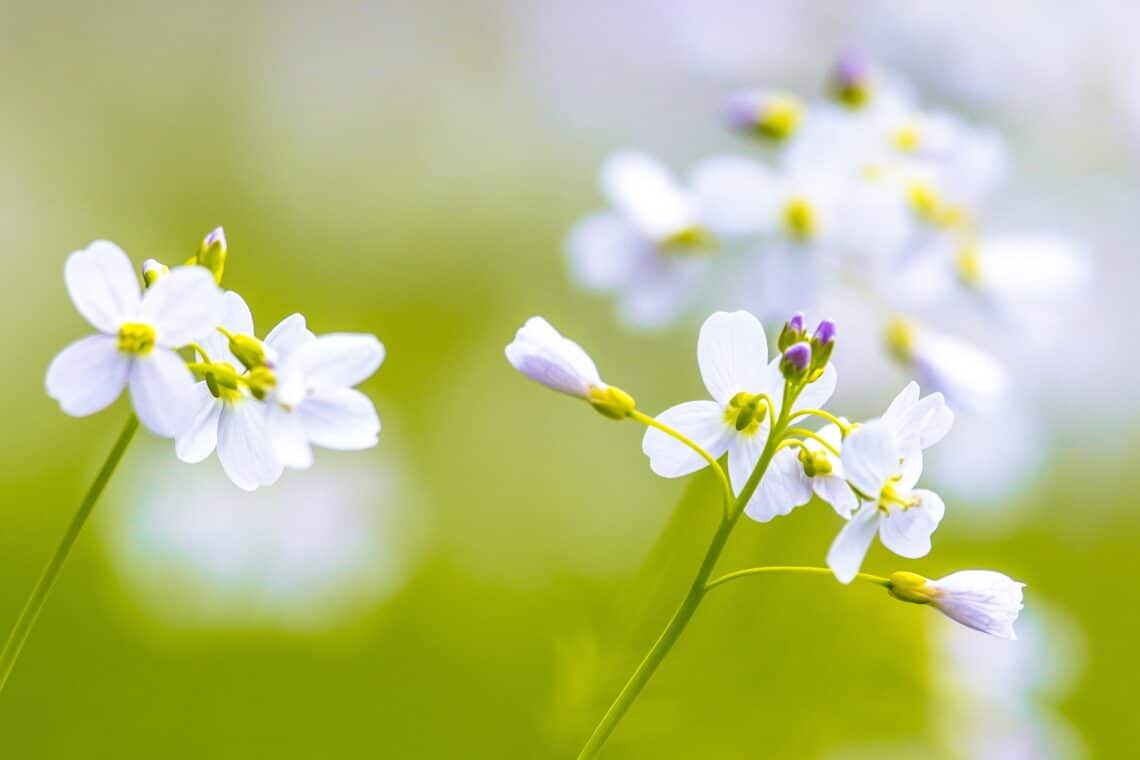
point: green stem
(815, 437)
(35, 603)
(866, 577)
(692, 600)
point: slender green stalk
(652, 422)
(692, 600)
(35, 602)
(866, 577)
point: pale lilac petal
(245, 448)
(700, 421)
(338, 418)
(289, 335)
(162, 391)
(103, 285)
(870, 457)
(183, 306)
(783, 488)
(199, 437)
(907, 532)
(850, 547)
(88, 375)
(732, 352)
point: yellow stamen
(136, 338)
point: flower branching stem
(821, 414)
(35, 603)
(797, 570)
(814, 436)
(697, 589)
(652, 422)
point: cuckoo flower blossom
(796, 474)
(137, 337)
(732, 352)
(314, 402)
(226, 414)
(879, 469)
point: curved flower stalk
(758, 422)
(260, 404)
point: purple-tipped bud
(824, 333)
(795, 361)
(852, 79)
(793, 331)
(743, 110)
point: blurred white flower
(904, 517)
(648, 248)
(138, 335)
(968, 377)
(732, 352)
(310, 558)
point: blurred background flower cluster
(480, 583)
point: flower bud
(822, 344)
(212, 253)
(793, 331)
(980, 599)
(773, 115)
(153, 270)
(795, 362)
(251, 352)
(853, 80)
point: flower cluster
(759, 417)
(197, 373)
(864, 191)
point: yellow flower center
(906, 138)
(780, 118)
(891, 497)
(969, 265)
(136, 338)
(745, 412)
(800, 219)
(901, 337)
(692, 239)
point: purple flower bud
(824, 333)
(852, 79)
(743, 110)
(796, 323)
(795, 361)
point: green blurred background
(410, 169)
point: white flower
(233, 421)
(542, 354)
(138, 335)
(918, 423)
(905, 517)
(732, 352)
(970, 379)
(646, 248)
(984, 600)
(795, 474)
(315, 402)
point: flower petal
(743, 453)
(736, 195)
(199, 437)
(538, 351)
(870, 457)
(162, 391)
(336, 360)
(290, 443)
(103, 285)
(338, 418)
(236, 318)
(700, 421)
(783, 488)
(907, 532)
(835, 491)
(88, 375)
(604, 251)
(183, 306)
(289, 335)
(732, 352)
(850, 547)
(244, 446)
